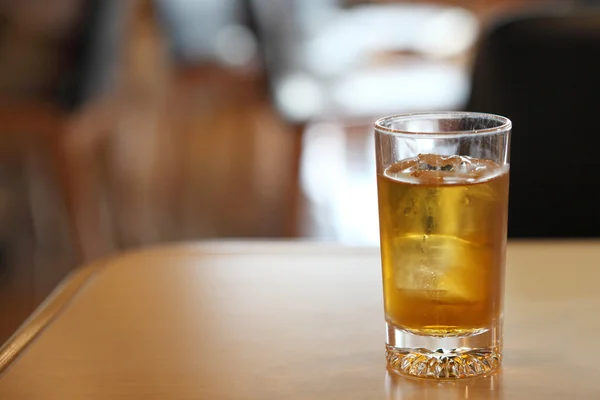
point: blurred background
(127, 123)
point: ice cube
(456, 267)
(433, 168)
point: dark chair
(543, 72)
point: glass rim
(505, 124)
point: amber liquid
(443, 238)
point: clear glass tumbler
(442, 182)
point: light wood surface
(288, 321)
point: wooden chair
(47, 125)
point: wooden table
(288, 321)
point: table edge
(44, 314)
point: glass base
(434, 357)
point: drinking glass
(442, 181)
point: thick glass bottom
(438, 357)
